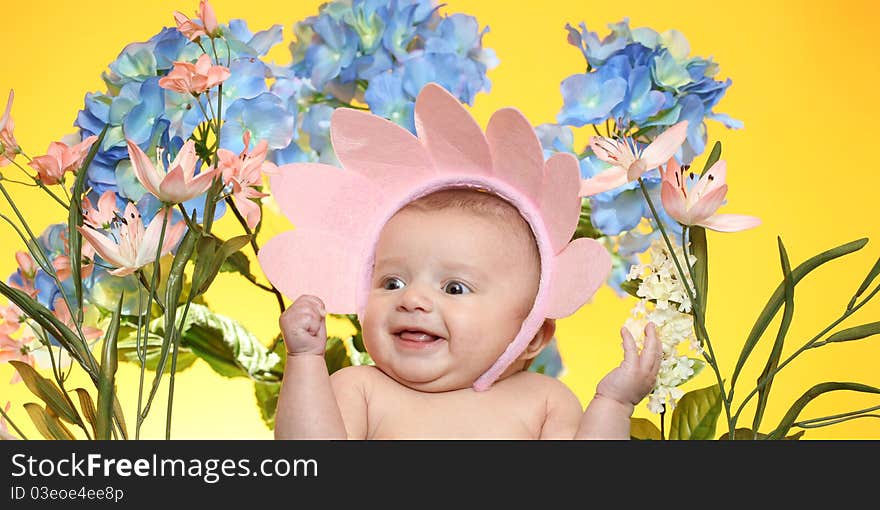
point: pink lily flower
(697, 206)
(136, 246)
(628, 162)
(188, 78)
(61, 158)
(242, 172)
(192, 30)
(176, 185)
(101, 216)
(12, 349)
(8, 145)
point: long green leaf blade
(864, 286)
(850, 334)
(47, 391)
(49, 426)
(765, 380)
(107, 381)
(714, 156)
(776, 300)
(88, 409)
(796, 408)
(74, 220)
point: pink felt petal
(379, 149)
(609, 179)
(560, 203)
(516, 151)
(316, 263)
(730, 222)
(315, 195)
(451, 135)
(665, 145)
(578, 272)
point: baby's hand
(303, 326)
(635, 377)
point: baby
(455, 249)
(456, 273)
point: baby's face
(449, 292)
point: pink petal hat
(338, 214)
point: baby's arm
(608, 414)
(307, 407)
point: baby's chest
(451, 416)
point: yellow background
(804, 82)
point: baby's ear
(541, 339)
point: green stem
(14, 426)
(142, 357)
(278, 297)
(176, 342)
(806, 346)
(698, 315)
(39, 183)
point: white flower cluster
(660, 279)
(660, 282)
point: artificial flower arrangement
(194, 119)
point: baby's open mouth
(417, 336)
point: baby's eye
(455, 287)
(393, 283)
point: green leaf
(127, 347)
(765, 380)
(864, 286)
(75, 219)
(211, 255)
(700, 250)
(776, 300)
(76, 346)
(47, 424)
(714, 156)
(697, 367)
(796, 408)
(640, 428)
(46, 391)
(88, 409)
(229, 347)
(237, 263)
(696, 414)
(631, 287)
(107, 379)
(267, 401)
(335, 355)
(850, 334)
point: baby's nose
(414, 298)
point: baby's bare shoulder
(539, 385)
(355, 374)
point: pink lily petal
(713, 178)
(106, 248)
(143, 169)
(209, 19)
(248, 209)
(150, 240)
(174, 187)
(604, 181)
(730, 222)
(673, 202)
(664, 146)
(706, 205)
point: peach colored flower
(242, 172)
(62, 262)
(12, 349)
(28, 269)
(136, 246)
(101, 216)
(59, 159)
(628, 162)
(188, 78)
(193, 30)
(62, 313)
(697, 205)
(176, 185)
(4, 431)
(8, 145)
